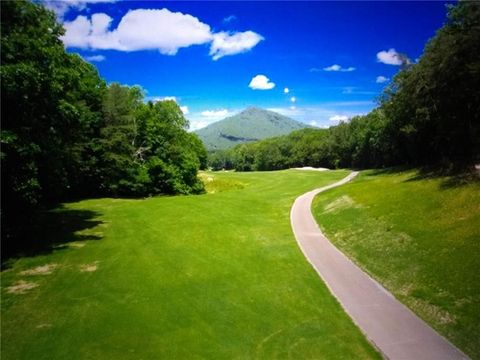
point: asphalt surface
(394, 329)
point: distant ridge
(250, 125)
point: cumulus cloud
(140, 29)
(95, 58)
(261, 82)
(338, 118)
(215, 113)
(336, 67)
(230, 44)
(185, 110)
(381, 79)
(392, 57)
(286, 90)
(60, 8)
(153, 29)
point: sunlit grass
(216, 276)
(420, 238)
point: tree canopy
(66, 133)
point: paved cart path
(394, 329)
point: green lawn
(216, 276)
(420, 237)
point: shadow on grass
(449, 178)
(46, 231)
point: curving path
(394, 329)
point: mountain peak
(249, 125)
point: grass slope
(420, 238)
(217, 276)
(250, 125)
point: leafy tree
(50, 105)
(433, 106)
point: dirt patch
(89, 267)
(46, 269)
(21, 287)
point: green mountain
(250, 125)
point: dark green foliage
(66, 134)
(433, 107)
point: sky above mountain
(316, 62)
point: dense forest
(428, 116)
(67, 134)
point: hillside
(250, 125)
(423, 248)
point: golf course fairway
(214, 276)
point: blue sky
(217, 58)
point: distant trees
(65, 133)
(429, 115)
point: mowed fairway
(212, 276)
(420, 238)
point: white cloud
(390, 57)
(336, 67)
(338, 118)
(198, 124)
(293, 99)
(165, 98)
(215, 113)
(161, 98)
(293, 107)
(229, 19)
(95, 58)
(261, 82)
(154, 29)
(140, 29)
(381, 79)
(224, 43)
(286, 90)
(199, 120)
(60, 8)
(185, 110)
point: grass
(216, 276)
(418, 236)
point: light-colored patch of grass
(215, 182)
(46, 269)
(76, 244)
(215, 276)
(419, 237)
(343, 202)
(89, 267)
(21, 287)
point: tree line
(67, 134)
(428, 116)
